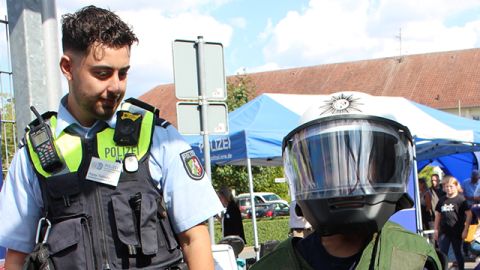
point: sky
(265, 35)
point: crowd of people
(449, 208)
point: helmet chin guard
(366, 214)
(348, 165)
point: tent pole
(418, 212)
(252, 203)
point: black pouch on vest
(127, 129)
(39, 259)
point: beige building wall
(471, 112)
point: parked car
(259, 197)
(260, 210)
(277, 209)
(269, 210)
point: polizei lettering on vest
(119, 152)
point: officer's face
(97, 82)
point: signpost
(190, 114)
(200, 79)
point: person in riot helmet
(348, 164)
(123, 195)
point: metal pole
(204, 109)
(418, 212)
(252, 203)
(50, 38)
(459, 108)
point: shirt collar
(65, 119)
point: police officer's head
(348, 164)
(95, 62)
(90, 25)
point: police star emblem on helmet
(342, 103)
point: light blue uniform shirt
(188, 201)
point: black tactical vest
(100, 226)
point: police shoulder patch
(192, 165)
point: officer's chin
(106, 114)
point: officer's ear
(66, 66)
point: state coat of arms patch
(192, 165)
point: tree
(426, 173)
(240, 90)
(8, 132)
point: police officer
(110, 201)
(348, 164)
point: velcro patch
(192, 165)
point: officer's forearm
(195, 243)
(14, 260)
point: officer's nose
(115, 85)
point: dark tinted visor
(347, 157)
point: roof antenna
(399, 37)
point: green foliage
(8, 132)
(236, 177)
(268, 229)
(240, 90)
(426, 173)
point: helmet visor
(347, 157)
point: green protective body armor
(100, 226)
(397, 249)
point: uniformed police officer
(111, 202)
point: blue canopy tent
(459, 165)
(258, 127)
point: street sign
(280, 180)
(189, 115)
(185, 69)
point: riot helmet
(348, 164)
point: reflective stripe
(108, 150)
(69, 147)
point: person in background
(437, 185)
(469, 186)
(348, 163)
(123, 190)
(426, 205)
(232, 219)
(452, 219)
(436, 189)
(299, 226)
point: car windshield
(271, 197)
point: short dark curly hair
(93, 24)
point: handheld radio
(42, 141)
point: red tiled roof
(439, 80)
